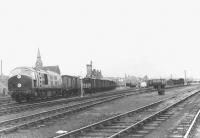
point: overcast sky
(137, 37)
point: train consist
(175, 81)
(160, 84)
(42, 82)
(28, 84)
(155, 83)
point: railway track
(6, 109)
(187, 124)
(20, 122)
(7, 101)
(4, 100)
(24, 121)
(37, 118)
(135, 123)
(13, 108)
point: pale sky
(137, 37)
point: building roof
(38, 54)
(38, 63)
(52, 68)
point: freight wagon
(92, 85)
(158, 84)
(175, 81)
(71, 85)
(130, 84)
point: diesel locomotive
(29, 84)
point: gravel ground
(196, 131)
(89, 116)
(166, 127)
(45, 108)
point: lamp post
(125, 80)
(82, 90)
(1, 70)
(185, 77)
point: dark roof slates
(52, 68)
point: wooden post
(82, 91)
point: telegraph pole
(1, 70)
(125, 80)
(185, 77)
(82, 90)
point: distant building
(93, 73)
(131, 79)
(146, 78)
(89, 70)
(39, 65)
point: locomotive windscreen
(22, 71)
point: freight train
(175, 81)
(29, 84)
(155, 83)
(158, 84)
(170, 82)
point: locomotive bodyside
(48, 84)
(27, 84)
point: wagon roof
(70, 76)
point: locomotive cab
(20, 82)
(28, 84)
